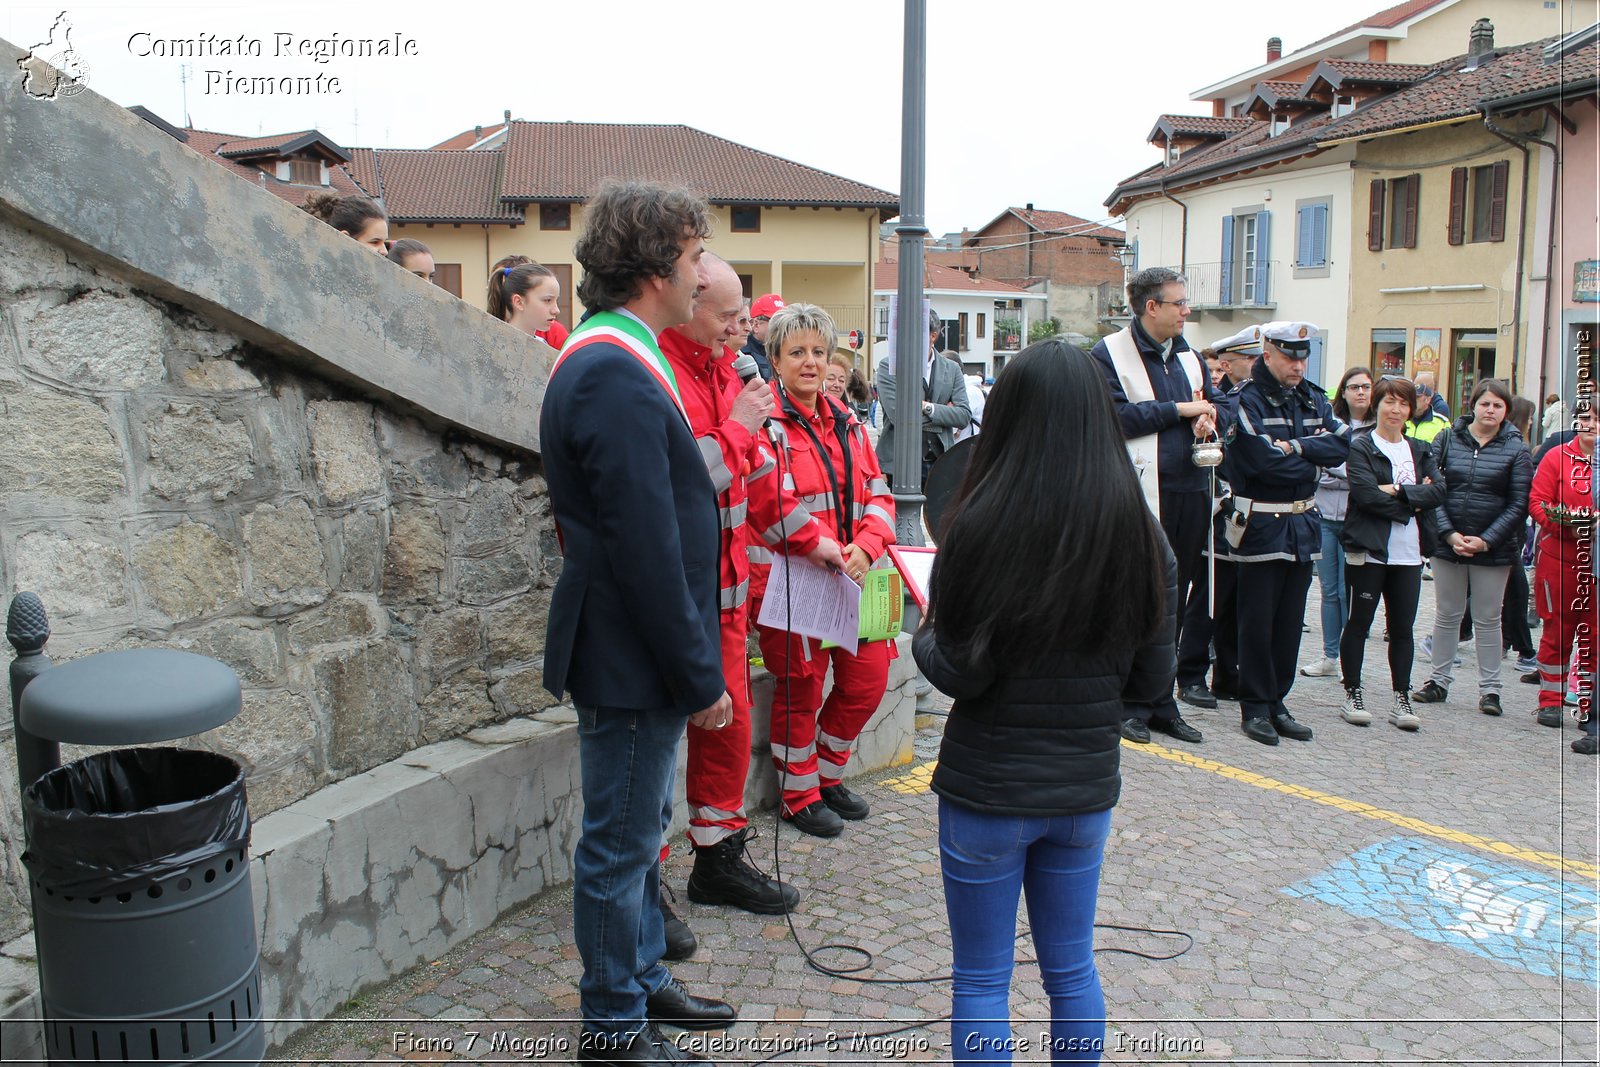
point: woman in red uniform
(834, 472)
(1562, 503)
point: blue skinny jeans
(1330, 574)
(989, 861)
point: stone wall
(378, 583)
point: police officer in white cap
(1281, 430)
(1210, 621)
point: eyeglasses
(763, 318)
(1362, 388)
(1175, 303)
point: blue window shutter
(1263, 259)
(1304, 237)
(1319, 235)
(1225, 289)
(1136, 255)
(1314, 364)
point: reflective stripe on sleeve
(711, 452)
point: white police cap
(1247, 342)
(1293, 337)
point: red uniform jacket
(741, 467)
(1563, 478)
(854, 505)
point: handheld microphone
(745, 367)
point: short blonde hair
(800, 318)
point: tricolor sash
(628, 333)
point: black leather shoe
(1285, 725)
(844, 803)
(816, 819)
(1260, 730)
(676, 1006)
(648, 1046)
(1587, 745)
(1177, 728)
(1135, 730)
(1197, 695)
(681, 941)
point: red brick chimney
(1274, 49)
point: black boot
(721, 875)
(681, 941)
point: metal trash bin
(138, 866)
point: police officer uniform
(1210, 620)
(1277, 438)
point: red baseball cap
(766, 306)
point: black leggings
(1400, 588)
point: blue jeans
(627, 759)
(1330, 573)
(988, 861)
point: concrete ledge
(117, 191)
(378, 873)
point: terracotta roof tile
(468, 138)
(568, 160)
(1381, 73)
(886, 275)
(261, 144)
(1448, 92)
(1203, 125)
(207, 143)
(424, 185)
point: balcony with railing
(1237, 285)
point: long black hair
(1048, 545)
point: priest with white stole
(1165, 402)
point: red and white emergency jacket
(742, 468)
(841, 486)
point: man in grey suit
(944, 404)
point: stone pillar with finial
(28, 628)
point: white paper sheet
(811, 600)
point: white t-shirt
(1405, 545)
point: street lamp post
(911, 331)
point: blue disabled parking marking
(1505, 913)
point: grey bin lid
(130, 697)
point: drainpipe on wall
(1550, 258)
(1183, 246)
(1520, 143)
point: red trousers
(1565, 596)
(811, 749)
(719, 760)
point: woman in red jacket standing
(1562, 503)
(829, 464)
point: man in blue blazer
(633, 619)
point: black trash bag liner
(123, 818)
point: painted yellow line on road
(1355, 807)
(916, 781)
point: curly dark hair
(347, 213)
(633, 231)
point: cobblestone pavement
(1372, 896)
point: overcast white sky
(1028, 100)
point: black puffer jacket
(1488, 492)
(1044, 742)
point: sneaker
(1527, 664)
(1402, 715)
(1430, 693)
(1322, 668)
(1587, 745)
(723, 875)
(1550, 717)
(1355, 710)
(1489, 704)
